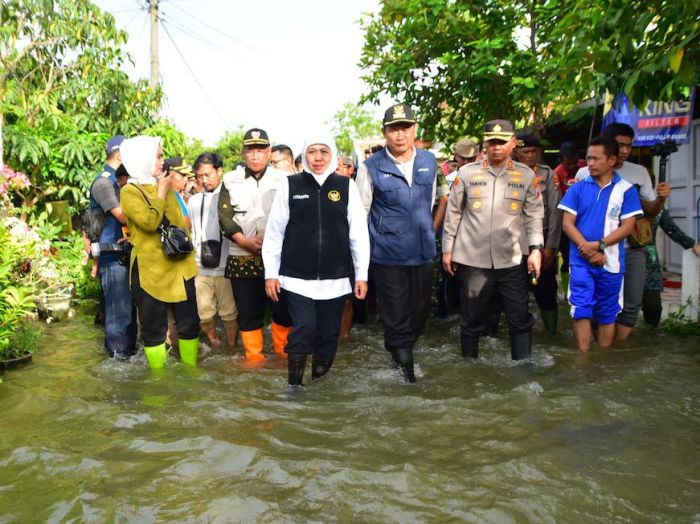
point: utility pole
(153, 11)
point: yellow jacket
(161, 277)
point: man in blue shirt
(120, 321)
(599, 213)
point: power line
(143, 27)
(205, 24)
(186, 30)
(194, 77)
(132, 18)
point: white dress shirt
(320, 289)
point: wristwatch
(536, 246)
(601, 245)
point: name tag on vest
(299, 197)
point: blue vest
(401, 221)
(112, 230)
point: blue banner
(654, 123)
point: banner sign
(654, 123)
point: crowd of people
(303, 242)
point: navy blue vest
(401, 222)
(112, 230)
(316, 241)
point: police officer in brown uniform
(490, 202)
(527, 151)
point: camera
(123, 250)
(664, 149)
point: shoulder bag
(174, 240)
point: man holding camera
(120, 322)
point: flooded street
(564, 438)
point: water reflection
(559, 439)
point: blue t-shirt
(599, 212)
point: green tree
(230, 148)
(351, 123)
(62, 94)
(461, 62)
(648, 50)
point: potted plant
(17, 339)
(41, 268)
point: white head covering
(325, 138)
(139, 158)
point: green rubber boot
(188, 351)
(156, 355)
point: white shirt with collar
(322, 289)
(364, 180)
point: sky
(282, 65)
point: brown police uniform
(546, 290)
(485, 213)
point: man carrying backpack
(120, 322)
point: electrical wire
(194, 76)
(205, 24)
(186, 30)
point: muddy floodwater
(611, 437)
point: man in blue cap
(120, 324)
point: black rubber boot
(404, 358)
(493, 319)
(520, 345)
(470, 346)
(295, 366)
(320, 366)
(550, 319)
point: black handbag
(174, 240)
(210, 250)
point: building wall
(683, 173)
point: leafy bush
(678, 323)
(16, 300)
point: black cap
(527, 140)
(399, 114)
(177, 163)
(256, 137)
(498, 130)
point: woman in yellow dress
(156, 279)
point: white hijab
(325, 138)
(139, 158)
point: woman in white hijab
(157, 280)
(316, 241)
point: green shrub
(678, 323)
(16, 300)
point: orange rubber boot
(253, 344)
(279, 338)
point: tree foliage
(62, 93)
(648, 50)
(461, 62)
(351, 123)
(230, 148)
